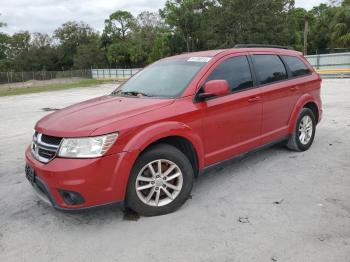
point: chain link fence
(113, 74)
(335, 65)
(15, 77)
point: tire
(296, 142)
(145, 174)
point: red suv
(143, 144)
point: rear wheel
(160, 181)
(304, 132)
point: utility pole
(306, 32)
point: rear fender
(303, 100)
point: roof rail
(263, 46)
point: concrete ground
(274, 205)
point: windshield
(167, 79)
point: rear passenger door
(279, 95)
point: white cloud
(47, 15)
(308, 4)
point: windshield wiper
(133, 93)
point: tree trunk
(306, 32)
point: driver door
(231, 123)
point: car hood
(84, 118)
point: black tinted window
(269, 68)
(235, 71)
(297, 67)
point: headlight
(86, 147)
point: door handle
(254, 99)
(294, 88)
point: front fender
(161, 130)
(139, 141)
(303, 100)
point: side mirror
(214, 88)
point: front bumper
(99, 181)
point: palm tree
(341, 26)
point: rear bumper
(320, 114)
(99, 181)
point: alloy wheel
(159, 182)
(305, 130)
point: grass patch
(51, 87)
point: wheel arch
(184, 145)
(314, 108)
(305, 101)
(176, 134)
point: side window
(235, 71)
(269, 68)
(297, 67)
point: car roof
(213, 53)
(209, 53)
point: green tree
(3, 46)
(117, 27)
(91, 55)
(4, 39)
(251, 21)
(42, 54)
(186, 17)
(161, 47)
(341, 26)
(71, 35)
(320, 28)
(119, 55)
(146, 38)
(40, 40)
(116, 39)
(296, 20)
(17, 51)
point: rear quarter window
(296, 66)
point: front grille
(46, 153)
(53, 140)
(44, 147)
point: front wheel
(160, 181)
(304, 133)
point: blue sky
(46, 15)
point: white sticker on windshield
(202, 59)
